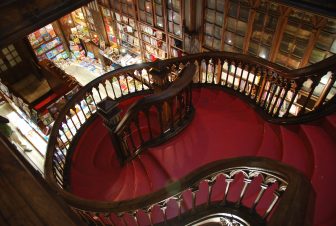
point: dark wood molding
(31, 193)
(25, 24)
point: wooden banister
(275, 92)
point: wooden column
(108, 110)
(160, 80)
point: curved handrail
(176, 99)
(293, 190)
(172, 91)
(267, 87)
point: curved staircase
(177, 160)
(224, 127)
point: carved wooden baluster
(235, 76)
(138, 75)
(296, 91)
(279, 90)
(287, 88)
(224, 61)
(326, 91)
(159, 109)
(146, 112)
(104, 85)
(250, 70)
(82, 110)
(94, 101)
(263, 187)
(107, 217)
(228, 182)
(73, 123)
(206, 70)
(135, 217)
(269, 82)
(56, 160)
(164, 212)
(134, 83)
(84, 217)
(312, 89)
(211, 183)
(75, 112)
(62, 130)
(122, 218)
(97, 88)
(136, 122)
(171, 103)
(121, 91)
(261, 88)
(276, 197)
(275, 87)
(199, 67)
(218, 71)
(87, 104)
(179, 201)
(58, 177)
(181, 104)
(98, 219)
(194, 190)
(127, 84)
(59, 140)
(111, 83)
(69, 128)
(241, 76)
(227, 73)
(148, 212)
(213, 71)
(247, 182)
(130, 135)
(59, 155)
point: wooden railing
(278, 94)
(154, 119)
(195, 196)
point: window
(263, 29)
(11, 56)
(295, 39)
(236, 28)
(174, 17)
(214, 17)
(325, 45)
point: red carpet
(223, 127)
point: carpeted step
(329, 125)
(271, 146)
(86, 185)
(323, 147)
(295, 152)
(158, 176)
(142, 183)
(127, 190)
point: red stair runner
(223, 127)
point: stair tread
(271, 146)
(127, 190)
(229, 129)
(294, 151)
(158, 176)
(141, 182)
(325, 157)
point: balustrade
(278, 94)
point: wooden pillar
(160, 82)
(110, 113)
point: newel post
(159, 74)
(110, 113)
